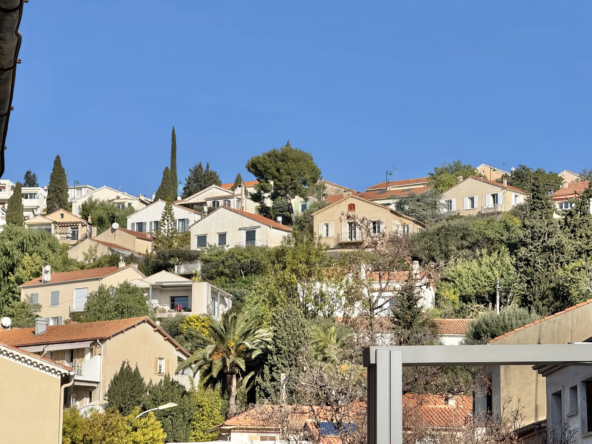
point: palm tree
(326, 342)
(233, 342)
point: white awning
(56, 347)
(79, 383)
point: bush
(111, 303)
(126, 390)
(490, 325)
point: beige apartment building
(111, 195)
(113, 240)
(491, 173)
(332, 226)
(61, 294)
(476, 195)
(95, 351)
(32, 394)
(568, 191)
(569, 177)
(65, 226)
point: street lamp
(162, 407)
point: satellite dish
(6, 322)
(115, 226)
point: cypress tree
(238, 181)
(30, 179)
(57, 190)
(173, 169)
(14, 212)
(126, 390)
(164, 190)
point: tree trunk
(231, 388)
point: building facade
(113, 240)
(147, 219)
(570, 190)
(65, 226)
(108, 194)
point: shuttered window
(34, 298)
(55, 298)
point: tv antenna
(395, 169)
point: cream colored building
(61, 294)
(522, 382)
(34, 198)
(569, 177)
(95, 351)
(476, 195)
(491, 173)
(65, 226)
(111, 195)
(567, 192)
(170, 294)
(393, 184)
(76, 191)
(119, 241)
(216, 196)
(228, 227)
(32, 397)
(331, 223)
(147, 219)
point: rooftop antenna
(397, 169)
(386, 182)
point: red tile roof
(453, 326)
(572, 190)
(110, 245)
(137, 234)
(559, 313)
(422, 410)
(248, 183)
(255, 217)
(32, 355)
(77, 332)
(334, 198)
(400, 183)
(67, 276)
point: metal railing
(253, 243)
(350, 237)
(491, 209)
(77, 367)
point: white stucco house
(148, 218)
(108, 194)
(34, 198)
(230, 227)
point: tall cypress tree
(127, 389)
(14, 212)
(173, 169)
(57, 190)
(164, 190)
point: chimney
(459, 179)
(40, 326)
(122, 263)
(279, 219)
(46, 274)
(505, 181)
(449, 400)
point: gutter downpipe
(101, 375)
(61, 410)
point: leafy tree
(167, 259)
(411, 324)
(187, 330)
(199, 179)
(30, 179)
(167, 236)
(578, 225)
(289, 341)
(102, 214)
(445, 176)
(165, 190)
(22, 313)
(233, 343)
(210, 404)
(111, 303)
(176, 421)
(127, 389)
(585, 175)
(57, 190)
(15, 211)
(540, 248)
(524, 178)
(304, 222)
(425, 207)
(284, 174)
(490, 325)
(234, 267)
(173, 170)
(238, 181)
(327, 341)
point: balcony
(253, 243)
(497, 208)
(350, 237)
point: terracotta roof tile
(334, 198)
(572, 190)
(432, 410)
(77, 332)
(400, 183)
(93, 273)
(248, 183)
(381, 194)
(110, 245)
(453, 326)
(41, 358)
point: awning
(79, 383)
(56, 347)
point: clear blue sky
(363, 86)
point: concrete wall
(153, 213)
(336, 215)
(108, 194)
(29, 404)
(78, 250)
(521, 382)
(480, 190)
(140, 345)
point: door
(251, 237)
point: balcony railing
(491, 209)
(350, 237)
(253, 243)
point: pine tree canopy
(30, 179)
(167, 236)
(445, 176)
(127, 389)
(164, 191)
(57, 190)
(285, 173)
(15, 210)
(524, 178)
(173, 168)
(199, 179)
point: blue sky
(362, 86)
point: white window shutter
(133, 226)
(500, 196)
(488, 201)
(322, 230)
(396, 227)
(453, 204)
(344, 230)
(358, 232)
(331, 229)
(382, 226)
(590, 206)
(466, 207)
(476, 202)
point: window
(141, 227)
(30, 196)
(80, 296)
(267, 438)
(573, 400)
(3, 189)
(448, 205)
(471, 201)
(564, 206)
(61, 215)
(121, 206)
(55, 321)
(406, 230)
(326, 229)
(90, 396)
(302, 207)
(180, 303)
(129, 204)
(161, 366)
(351, 207)
(216, 204)
(227, 203)
(202, 241)
(556, 414)
(494, 199)
(375, 227)
(156, 226)
(34, 298)
(78, 192)
(73, 233)
(55, 298)
(351, 231)
(250, 237)
(182, 225)
(222, 239)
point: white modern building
(34, 198)
(107, 194)
(148, 218)
(76, 191)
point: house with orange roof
(148, 218)
(95, 351)
(531, 387)
(452, 331)
(65, 226)
(570, 190)
(229, 227)
(491, 173)
(401, 184)
(225, 195)
(61, 294)
(334, 227)
(477, 195)
(114, 240)
(569, 177)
